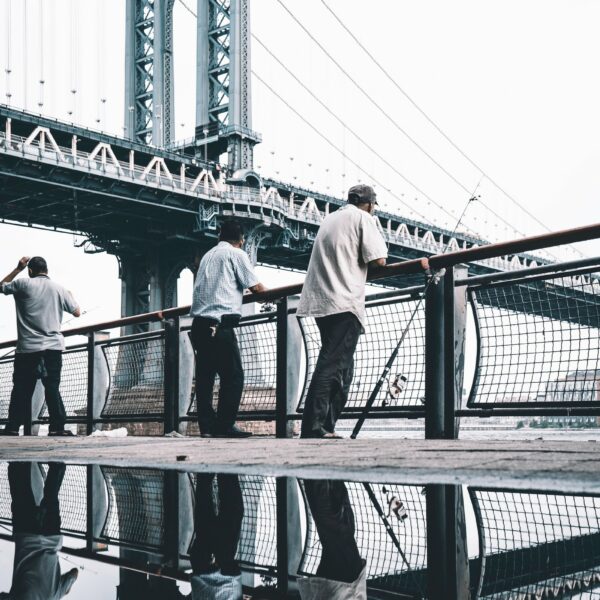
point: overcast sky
(513, 84)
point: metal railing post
(455, 323)
(171, 375)
(171, 517)
(435, 350)
(281, 491)
(91, 362)
(96, 508)
(447, 552)
(281, 388)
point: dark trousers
(27, 516)
(333, 515)
(328, 391)
(217, 355)
(217, 526)
(29, 367)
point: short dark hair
(231, 231)
(38, 265)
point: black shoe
(232, 432)
(8, 432)
(206, 434)
(61, 433)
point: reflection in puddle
(130, 534)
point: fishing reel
(395, 506)
(396, 387)
(268, 307)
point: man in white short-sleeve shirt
(347, 244)
(223, 275)
(40, 304)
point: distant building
(576, 387)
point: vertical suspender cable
(42, 49)
(25, 74)
(7, 37)
(73, 111)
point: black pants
(217, 355)
(217, 527)
(331, 509)
(328, 391)
(27, 516)
(29, 367)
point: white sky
(513, 84)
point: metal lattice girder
(212, 82)
(149, 71)
(223, 94)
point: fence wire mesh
(539, 342)
(135, 507)
(73, 383)
(5, 499)
(385, 323)
(6, 380)
(258, 349)
(136, 370)
(72, 499)
(538, 545)
(386, 568)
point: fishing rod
(389, 529)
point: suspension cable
(8, 38)
(352, 131)
(390, 118)
(335, 147)
(432, 122)
(42, 50)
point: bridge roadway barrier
(532, 335)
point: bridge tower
(149, 71)
(223, 117)
(223, 90)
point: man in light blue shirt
(223, 275)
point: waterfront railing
(519, 343)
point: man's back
(347, 241)
(223, 275)
(40, 304)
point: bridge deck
(558, 466)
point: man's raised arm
(20, 266)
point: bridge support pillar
(149, 282)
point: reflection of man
(36, 532)
(341, 573)
(348, 243)
(217, 524)
(40, 304)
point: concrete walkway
(560, 466)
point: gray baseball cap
(360, 193)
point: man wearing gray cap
(347, 244)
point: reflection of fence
(531, 544)
(536, 349)
(537, 545)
